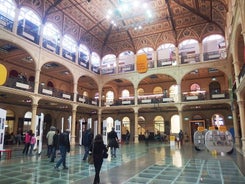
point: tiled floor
(135, 163)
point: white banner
(2, 126)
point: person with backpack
(87, 142)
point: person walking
(55, 145)
(27, 142)
(127, 137)
(147, 134)
(113, 142)
(98, 149)
(32, 143)
(49, 137)
(87, 141)
(181, 137)
(64, 145)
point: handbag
(90, 158)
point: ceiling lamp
(127, 15)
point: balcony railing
(86, 100)
(55, 92)
(197, 96)
(20, 83)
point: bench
(8, 153)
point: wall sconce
(213, 78)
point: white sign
(118, 129)
(2, 126)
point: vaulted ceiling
(172, 22)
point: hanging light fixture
(127, 15)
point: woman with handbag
(99, 152)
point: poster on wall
(2, 126)
(104, 132)
(95, 128)
(118, 129)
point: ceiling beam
(47, 12)
(171, 19)
(106, 39)
(196, 12)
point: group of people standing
(30, 141)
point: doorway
(194, 124)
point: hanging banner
(95, 128)
(89, 123)
(81, 131)
(3, 74)
(41, 119)
(3, 114)
(141, 63)
(104, 132)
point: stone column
(99, 122)
(155, 59)
(201, 52)
(181, 120)
(177, 56)
(16, 16)
(77, 54)
(73, 124)
(135, 96)
(136, 136)
(36, 84)
(75, 92)
(179, 93)
(242, 124)
(235, 124)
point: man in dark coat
(113, 142)
(87, 142)
(64, 145)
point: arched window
(195, 87)
(95, 62)
(29, 25)
(159, 125)
(27, 121)
(189, 51)
(142, 127)
(125, 93)
(109, 124)
(83, 59)
(51, 38)
(85, 93)
(157, 90)
(126, 61)
(218, 120)
(125, 124)
(214, 88)
(69, 48)
(214, 47)
(109, 97)
(175, 124)
(108, 64)
(166, 55)
(140, 91)
(7, 9)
